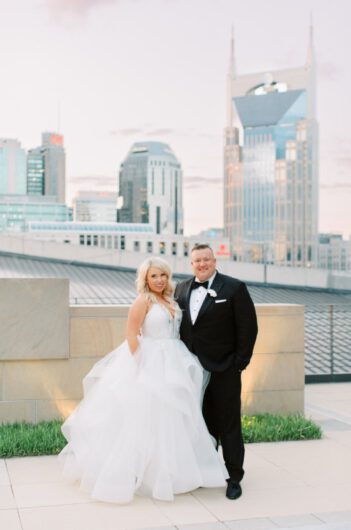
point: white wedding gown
(139, 427)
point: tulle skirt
(139, 428)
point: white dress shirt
(197, 298)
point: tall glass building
(46, 168)
(36, 171)
(12, 167)
(150, 188)
(271, 165)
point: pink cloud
(126, 132)
(191, 182)
(77, 8)
(92, 180)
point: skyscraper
(271, 164)
(12, 167)
(36, 171)
(150, 186)
(46, 171)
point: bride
(139, 428)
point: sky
(108, 73)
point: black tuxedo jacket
(225, 330)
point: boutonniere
(212, 293)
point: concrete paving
(288, 485)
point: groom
(219, 326)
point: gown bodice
(159, 323)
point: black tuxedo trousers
(222, 414)
(222, 337)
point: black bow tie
(195, 285)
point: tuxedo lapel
(216, 286)
(187, 298)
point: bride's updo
(141, 281)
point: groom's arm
(179, 291)
(245, 324)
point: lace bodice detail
(159, 323)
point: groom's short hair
(201, 246)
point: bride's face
(157, 280)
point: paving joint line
(329, 413)
(13, 494)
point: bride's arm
(136, 317)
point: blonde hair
(141, 281)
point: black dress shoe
(233, 490)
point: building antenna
(231, 76)
(232, 62)
(310, 50)
(58, 115)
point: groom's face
(203, 263)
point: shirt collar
(210, 280)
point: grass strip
(27, 439)
(45, 438)
(277, 428)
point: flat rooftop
(102, 285)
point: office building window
(136, 246)
(81, 239)
(158, 220)
(175, 204)
(102, 241)
(186, 248)
(174, 249)
(123, 242)
(95, 240)
(109, 241)
(89, 240)
(162, 246)
(149, 247)
(115, 242)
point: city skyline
(126, 71)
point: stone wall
(274, 380)
(47, 347)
